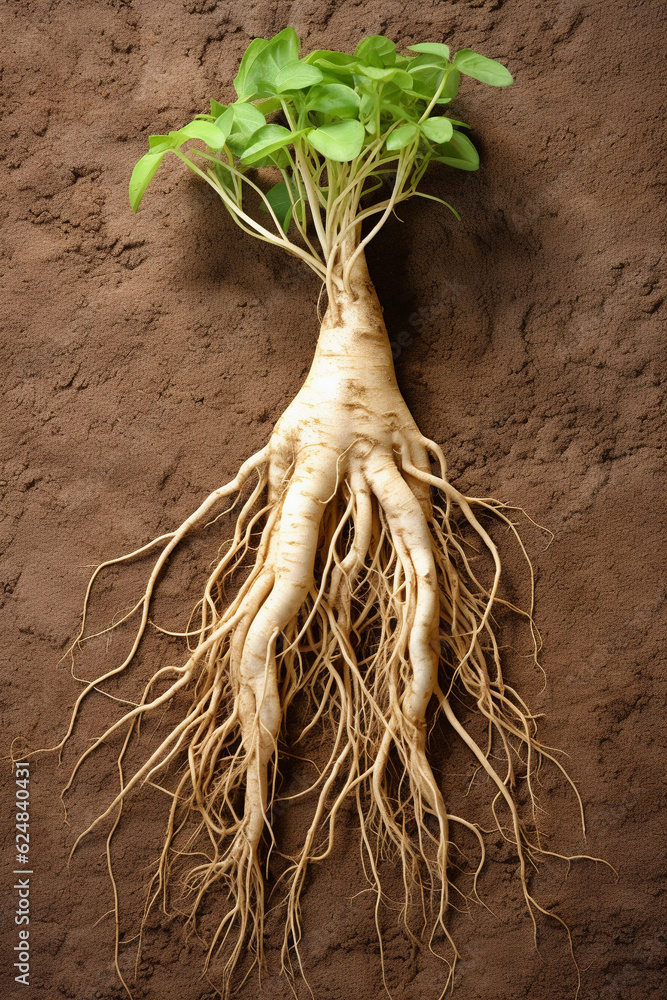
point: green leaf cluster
(333, 124)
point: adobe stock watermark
(22, 874)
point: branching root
(356, 591)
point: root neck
(353, 344)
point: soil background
(145, 357)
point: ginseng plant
(355, 579)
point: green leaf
(217, 108)
(398, 112)
(155, 141)
(367, 105)
(426, 73)
(401, 137)
(243, 83)
(212, 135)
(246, 118)
(262, 61)
(279, 199)
(268, 106)
(451, 87)
(341, 141)
(239, 123)
(284, 47)
(267, 140)
(281, 50)
(338, 67)
(221, 171)
(143, 173)
(438, 130)
(297, 76)
(278, 158)
(397, 76)
(459, 152)
(432, 48)
(481, 68)
(334, 99)
(331, 58)
(376, 51)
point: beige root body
(362, 597)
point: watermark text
(23, 870)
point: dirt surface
(145, 357)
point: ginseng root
(356, 589)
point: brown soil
(146, 356)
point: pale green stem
(435, 97)
(244, 178)
(301, 200)
(303, 197)
(367, 212)
(364, 170)
(378, 226)
(310, 192)
(259, 231)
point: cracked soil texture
(145, 357)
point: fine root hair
(365, 591)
